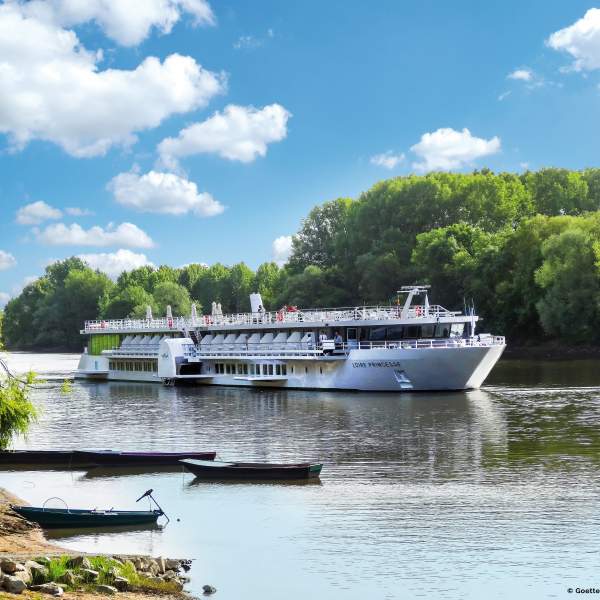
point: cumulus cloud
(7, 260)
(238, 133)
(52, 88)
(37, 212)
(521, 75)
(114, 263)
(75, 211)
(4, 298)
(388, 159)
(581, 40)
(127, 22)
(282, 249)
(447, 149)
(125, 234)
(166, 193)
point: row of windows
(250, 369)
(415, 332)
(146, 366)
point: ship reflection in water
(449, 495)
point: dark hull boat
(111, 458)
(258, 471)
(77, 459)
(64, 518)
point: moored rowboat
(130, 459)
(94, 458)
(236, 470)
(65, 517)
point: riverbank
(550, 351)
(22, 541)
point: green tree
(268, 282)
(169, 293)
(129, 302)
(570, 279)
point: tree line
(524, 247)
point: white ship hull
(389, 370)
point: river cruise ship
(404, 347)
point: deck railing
(294, 349)
(370, 313)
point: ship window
(321, 370)
(277, 369)
(270, 369)
(377, 334)
(228, 369)
(394, 333)
(252, 369)
(306, 370)
(284, 369)
(411, 332)
(155, 365)
(138, 366)
(264, 369)
(457, 329)
(427, 331)
(245, 371)
(441, 330)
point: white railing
(296, 349)
(361, 313)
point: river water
(484, 494)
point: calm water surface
(492, 493)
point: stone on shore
(109, 590)
(13, 584)
(82, 562)
(37, 570)
(89, 575)
(162, 564)
(69, 578)
(53, 589)
(121, 583)
(172, 565)
(10, 566)
(208, 589)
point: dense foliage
(50, 312)
(525, 248)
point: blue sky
(267, 109)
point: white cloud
(75, 211)
(125, 234)
(238, 133)
(581, 40)
(388, 159)
(282, 249)
(52, 88)
(521, 75)
(7, 260)
(247, 42)
(4, 298)
(128, 22)
(114, 263)
(37, 212)
(163, 193)
(447, 149)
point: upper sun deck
(354, 316)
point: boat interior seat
(254, 341)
